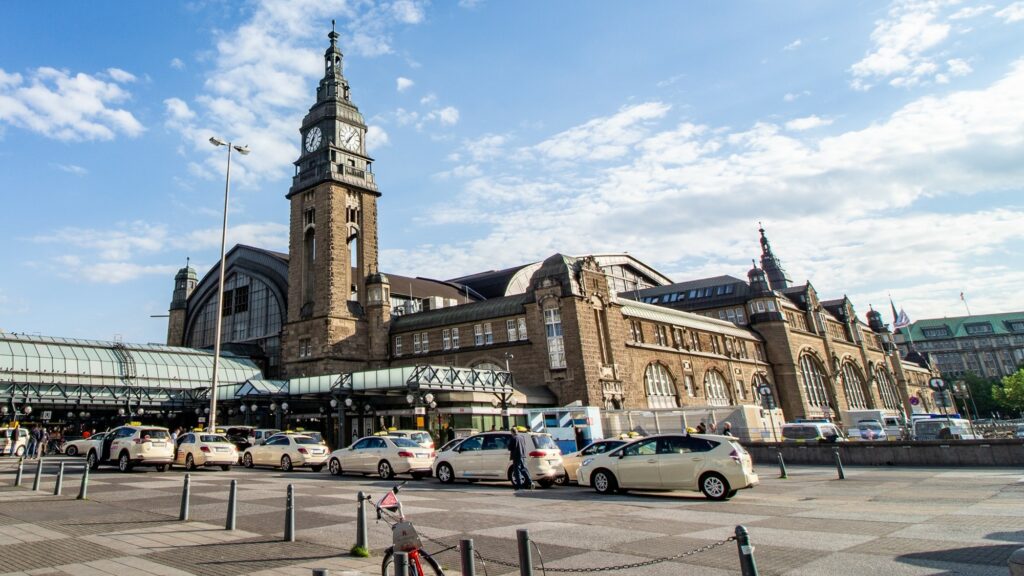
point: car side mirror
(622, 455)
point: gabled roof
(685, 319)
(963, 326)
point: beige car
(287, 451)
(133, 445)
(571, 462)
(81, 446)
(486, 457)
(13, 441)
(197, 449)
(384, 456)
(715, 465)
(421, 437)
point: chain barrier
(542, 568)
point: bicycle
(404, 537)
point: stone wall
(1002, 452)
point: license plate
(552, 462)
(221, 449)
(159, 444)
(419, 455)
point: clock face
(313, 138)
(349, 138)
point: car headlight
(587, 461)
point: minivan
(811, 432)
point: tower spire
(772, 266)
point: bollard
(21, 472)
(1016, 562)
(746, 550)
(782, 466)
(185, 489)
(59, 486)
(289, 516)
(83, 490)
(525, 554)
(39, 475)
(839, 465)
(401, 564)
(232, 499)
(321, 572)
(362, 534)
(466, 555)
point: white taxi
(421, 437)
(383, 455)
(82, 445)
(203, 449)
(571, 461)
(486, 457)
(287, 451)
(133, 445)
(13, 441)
(715, 465)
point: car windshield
(404, 443)
(544, 442)
(304, 440)
(155, 434)
(212, 438)
(800, 432)
(421, 437)
(869, 426)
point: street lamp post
(243, 150)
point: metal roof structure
(654, 313)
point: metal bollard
(39, 475)
(21, 472)
(466, 555)
(839, 464)
(1016, 562)
(232, 501)
(525, 554)
(747, 565)
(59, 486)
(183, 515)
(83, 490)
(401, 564)
(321, 572)
(289, 516)
(362, 534)
(782, 466)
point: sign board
(419, 410)
(764, 390)
(504, 412)
(936, 384)
(914, 401)
(202, 419)
(47, 414)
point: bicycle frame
(408, 540)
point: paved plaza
(877, 521)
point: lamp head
(217, 141)
(243, 150)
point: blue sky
(880, 144)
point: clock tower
(333, 236)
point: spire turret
(777, 276)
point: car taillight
(538, 454)
(204, 448)
(405, 454)
(303, 451)
(433, 454)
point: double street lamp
(243, 150)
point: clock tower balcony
(336, 172)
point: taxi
(421, 437)
(81, 446)
(133, 445)
(384, 455)
(486, 457)
(13, 441)
(571, 461)
(204, 449)
(287, 451)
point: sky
(881, 145)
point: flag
(389, 501)
(902, 320)
(895, 316)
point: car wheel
(225, 467)
(334, 466)
(731, 494)
(286, 463)
(190, 463)
(161, 467)
(72, 451)
(385, 471)
(714, 486)
(247, 461)
(317, 468)
(604, 482)
(124, 463)
(92, 461)
(562, 480)
(445, 473)
(546, 483)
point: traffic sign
(936, 384)
(914, 401)
(764, 390)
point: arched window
(715, 388)
(755, 385)
(661, 390)
(813, 375)
(853, 386)
(308, 261)
(887, 390)
(353, 252)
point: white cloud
(793, 96)
(604, 138)
(66, 107)
(121, 76)
(448, 115)
(177, 64)
(1012, 13)
(428, 100)
(793, 45)
(376, 137)
(404, 84)
(902, 42)
(971, 12)
(407, 11)
(71, 169)
(959, 67)
(807, 123)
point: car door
(351, 458)
(680, 460)
(185, 443)
(638, 467)
(494, 458)
(122, 439)
(466, 460)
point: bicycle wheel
(427, 562)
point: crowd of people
(44, 440)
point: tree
(981, 391)
(1009, 393)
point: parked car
(287, 451)
(811, 432)
(81, 446)
(486, 457)
(1020, 431)
(943, 429)
(451, 444)
(420, 437)
(133, 445)
(260, 435)
(868, 430)
(13, 441)
(571, 462)
(715, 465)
(385, 456)
(203, 449)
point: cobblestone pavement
(879, 520)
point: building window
(455, 338)
(478, 334)
(305, 348)
(660, 335)
(636, 331)
(446, 339)
(694, 341)
(853, 386)
(488, 336)
(510, 328)
(677, 338)
(743, 350)
(741, 392)
(983, 328)
(886, 389)
(227, 303)
(688, 383)
(309, 216)
(398, 345)
(716, 346)
(416, 349)
(814, 381)
(556, 345)
(424, 339)
(661, 390)
(715, 389)
(522, 328)
(740, 318)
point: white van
(811, 432)
(932, 429)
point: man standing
(517, 451)
(727, 429)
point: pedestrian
(33, 444)
(727, 429)
(517, 451)
(702, 428)
(44, 441)
(174, 436)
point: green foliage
(359, 552)
(1010, 392)
(981, 391)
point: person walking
(517, 451)
(702, 428)
(33, 442)
(44, 441)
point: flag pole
(964, 300)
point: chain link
(650, 562)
